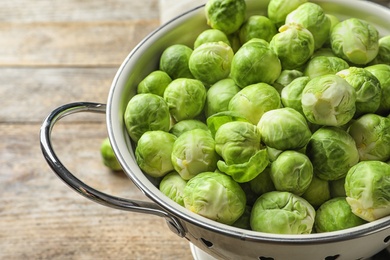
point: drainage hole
(266, 258)
(206, 242)
(334, 257)
(387, 239)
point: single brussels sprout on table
(335, 214)
(219, 95)
(186, 125)
(225, 15)
(382, 73)
(185, 98)
(292, 171)
(329, 100)
(238, 143)
(291, 94)
(211, 62)
(153, 152)
(372, 137)
(156, 83)
(254, 100)
(282, 212)
(108, 155)
(367, 187)
(225, 204)
(211, 35)
(279, 9)
(194, 152)
(284, 129)
(246, 68)
(257, 26)
(313, 18)
(146, 112)
(367, 87)
(172, 185)
(318, 192)
(294, 45)
(323, 65)
(332, 152)
(355, 40)
(174, 61)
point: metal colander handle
(82, 188)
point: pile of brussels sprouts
(274, 123)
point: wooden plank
(29, 94)
(41, 218)
(75, 10)
(71, 44)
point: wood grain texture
(52, 53)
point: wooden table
(54, 52)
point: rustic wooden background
(54, 52)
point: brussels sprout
(153, 152)
(215, 121)
(337, 188)
(185, 98)
(323, 65)
(333, 20)
(211, 35)
(273, 153)
(156, 83)
(211, 62)
(225, 15)
(146, 112)
(254, 100)
(318, 192)
(284, 129)
(246, 68)
(262, 183)
(174, 61)
(279, 9)
(382, 73)
(291, 94)
(285, 78)
(328, 100)
(384, 51)
(355, 40)
(172, 185)
(108, 156)
(292, 171)
(367, 87)
(294, 45)
(327, 52)
(372, 137)
(238, 143)
(244, 221)
(219, 95)
(332, 152)
(257, 26)
(194, 152)
(282, 213)
(312, 17)
(225, 204)
(335, 214)
(186, 125)
(367, 186)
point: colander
(217, 240)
